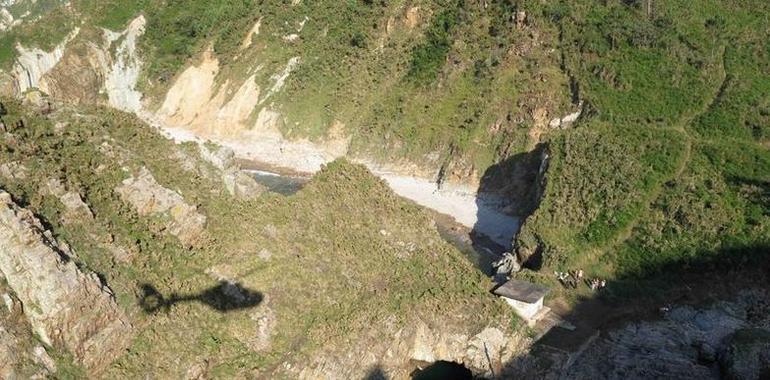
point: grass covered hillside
(342, 265)
(674, 162)
(667, 163)
(453, 84)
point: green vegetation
(668, 165)
(673, 168)
(428, 58)
(344, 263)
(180, 29)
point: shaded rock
(683, 345)
(241, 185)
(66, 308)
(747, 355)
(706, 352)
(150, 198)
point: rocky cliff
(66, 308)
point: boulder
(241, 185)
(221, 157)
(13, 170)
(150, 198)
(66, 308)
(76, 209)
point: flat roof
(521, 291)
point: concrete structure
(525, 298)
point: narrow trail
(689, 140)
(594, 315)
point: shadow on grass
(224, 297)
(706, 278)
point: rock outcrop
(237, 183)
(241, 185)
(747, 355)
(484, 353)
(684, 344)
(20, 357)
(76, 209)
(32, 64)
(148, 198)
(66, 308)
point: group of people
(572, 278)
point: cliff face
(293, 92)
(66, 308)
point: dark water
(284, 185)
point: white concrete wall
(525, 310)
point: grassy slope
(674, 162)
(674, 98)
(407, 78)
(333, 276)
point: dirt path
(689, 140)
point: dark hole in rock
(443, 370)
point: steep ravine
(197, 108)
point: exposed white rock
(41, 357)
(7, 21)
(33, 63)
(222, 157)
(280, 78)
(567, 120)
(482, 213)
(54, 187)
(247, 41)
(302, 24)
(489, 349)
(8, 301)
(123, 75)
(66, 308)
